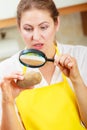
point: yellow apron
(49, 108)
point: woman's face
(38, 29)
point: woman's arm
(81, 97)
(68, 66)
(10, 120)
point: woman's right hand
(9, 88)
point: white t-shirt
(79, 52)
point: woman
(38, 22)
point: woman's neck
(47, 71)
(51, 52)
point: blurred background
(73, 25)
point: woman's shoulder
(10, 59)
(74, 50)
(10, 65)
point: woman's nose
(36, 34)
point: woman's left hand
(68, 66)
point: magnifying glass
(33, 58)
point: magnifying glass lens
(32, 59)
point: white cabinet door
(8, 8)
(65, 3)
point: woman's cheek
(26, 36)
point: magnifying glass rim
(32, 51)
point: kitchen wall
(71, 31)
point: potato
(30, 79)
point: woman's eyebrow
(28, 25)
(45, 22)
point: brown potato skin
(30, 79)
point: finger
(56, 60)
(62, 59)
(12, 76)
(68, 62)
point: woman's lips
(38, 46)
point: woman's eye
(28, 29)
(44, 27)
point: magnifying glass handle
(51, 60)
